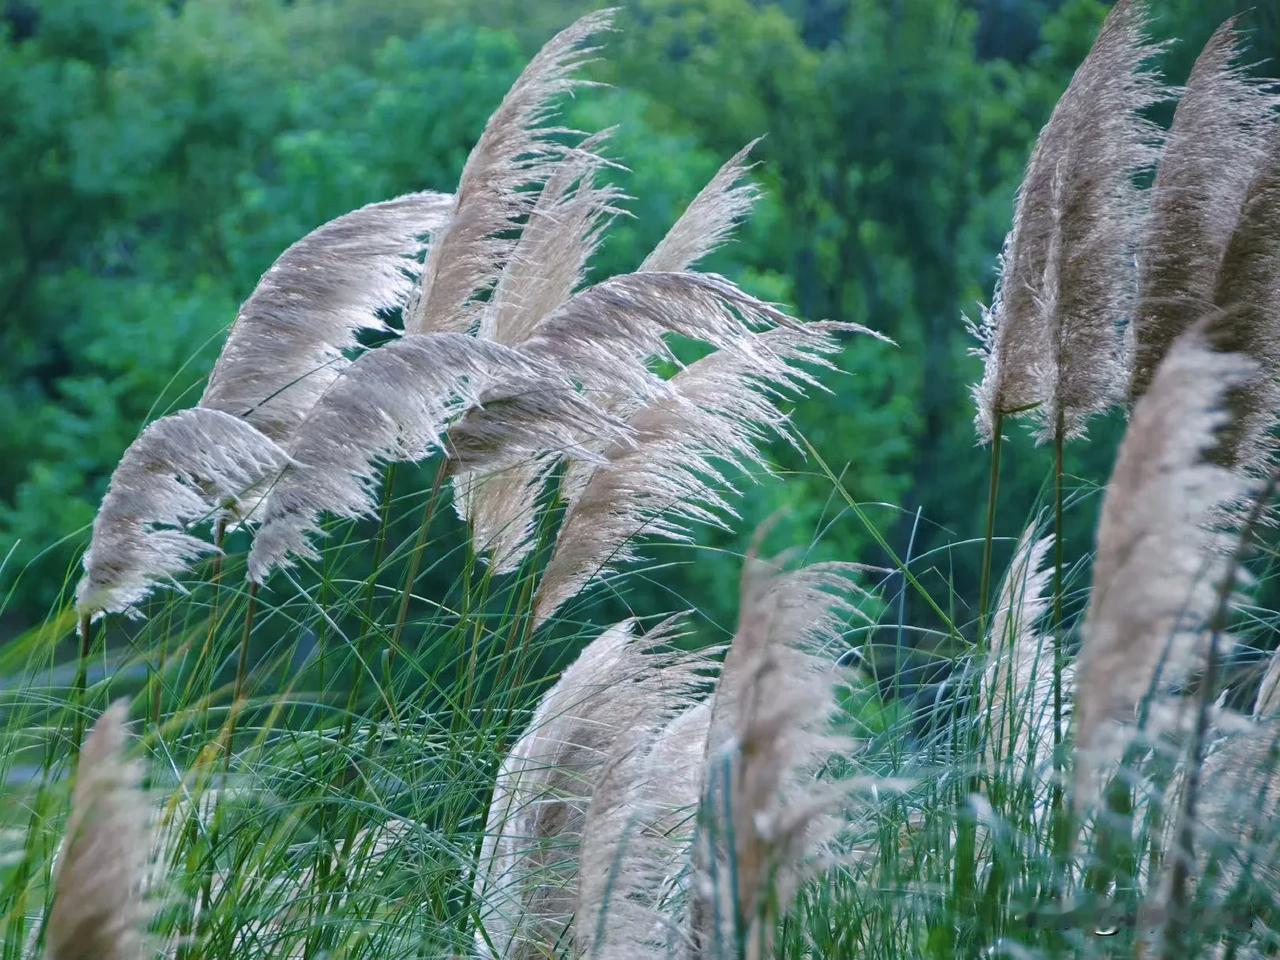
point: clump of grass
(367, 747)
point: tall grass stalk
(1061, 826)
(993, 493)
(415, 558)
(79, 687)
(242, 673)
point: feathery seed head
(709, 221)
(530, 862)
(287, 344)
(98, 909)
(179, 472)
(516, 151)
(1161, 552)
(763, 821)
(1219, 139)
(392, 404)
(670, 474)
(1016, 693)
(1052, 341)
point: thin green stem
(379, 543)
(993, 495)
(415, 558)
(242, 671)
(1060, 837)
(856, 508)
(204, 665)
(368, 630)
(80, 686)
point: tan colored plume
(670, 475)
(602, 340)
(392, 404)
(1267, 703)
(1051, 342)
(98, 911)
(1219, 138)
(1016, 694)
(764, 819)
(287, 344)
(606, 335)
(638, 835)
(555, 246)
(529, 868)
(516, 151)
(709, 220)
(1247, 295)
(179, 472)
(549, 262)
(1160, 556)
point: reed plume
(549, 263)
(637, 837)
(709, 220)
(606, 335)
(1219, 138)
(1238, 800)
(180, 471)
(763, 820)
(529, 866)
(98, 911)
(288, 341)
(557, 243)
(1016, 693)
(1247, 292)
(1161, 553)
(392, 404)
(516, 151)
(549, 259)
(671, 473)
(1051, 340)
(602, 340)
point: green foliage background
(156, 156)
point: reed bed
(337, 642)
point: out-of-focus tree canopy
(155, 157)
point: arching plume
(179, 472)
(504, 450)
(1218, 140)
(1247, 295)
(605, 336)
(392, 404)
(709, 220)
(549, 262)
(1051, 340)
(670, 475)
(98, 911)
(288, 341)
(556, 245)
(530, 860)
(637, 837)
(603, 339)
(1016, 693)
(1161, 553)
(763, 820)
(515, 152)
